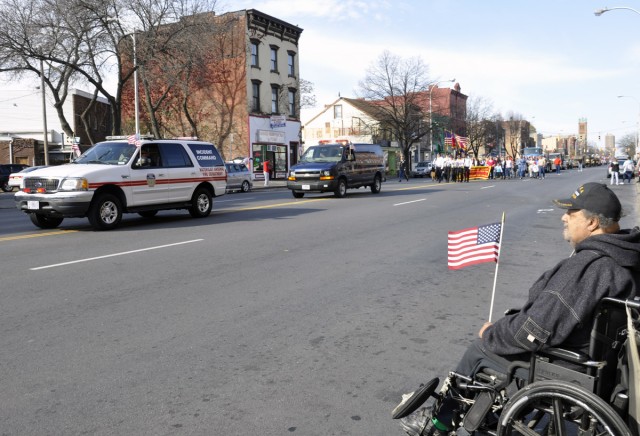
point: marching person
(558, 312)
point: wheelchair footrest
(478, 411)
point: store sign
(270, 136)
(278, 121)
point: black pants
(473, 360)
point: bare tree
(481, 124)
(80, 39)
(307, 97)
(515, 133)
(397, 87)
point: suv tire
(6, 187)
(245, 186)
(201, 203)
(106, 212)
(44, 221)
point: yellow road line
(269, 206)
(62, 232)
(37, 235)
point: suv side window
(149, 157)
(174, 156)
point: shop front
(276, 144)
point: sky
(553, 62)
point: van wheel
(245, 186)
(106, 212)
(201, 203)
(6, 187)
(44, 221)
(377, 185)
(341, 189)
(297, 194)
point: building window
(274, 59)
(292, 102)
(337, 111)
(255, 60)
(275, 91)
(291, 66)
(255, 96)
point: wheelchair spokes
(557, 408)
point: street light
(638, 126)
(599, 12)
(431, 112)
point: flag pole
(495, 278)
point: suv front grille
(41, 182)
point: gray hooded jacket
(561, 303)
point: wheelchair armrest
(569, 355)
(511, 311)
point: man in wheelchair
(550, 337)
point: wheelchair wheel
(558, 408)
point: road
(273, 316)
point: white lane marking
(487, 187)
(409, 202)
(544, 210)
(114, 255)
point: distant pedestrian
(542, 166)
(627, 170)
(558, 163)
(401, 172)
(265, 169)
(614, 169)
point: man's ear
(594, 224)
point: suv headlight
(74, 184)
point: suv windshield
(322, 153)
(107, 153)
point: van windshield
(322, 153)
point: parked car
(5, 172)
(238, 177)
(15, 179)
(423, 169)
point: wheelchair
(545, 395)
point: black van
(336, 168)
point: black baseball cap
(594, 197)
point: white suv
(116, 177)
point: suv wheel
(341, 189)
(201, 203)
(6, 187)
(377, 185)
(106, 212)
(245, 186)
(44, 221)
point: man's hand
(484, 327)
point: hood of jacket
(623, 247)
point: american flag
(449, 139)
(134, 139)
(462, 141)
(474, 245)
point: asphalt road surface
(273, 316)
